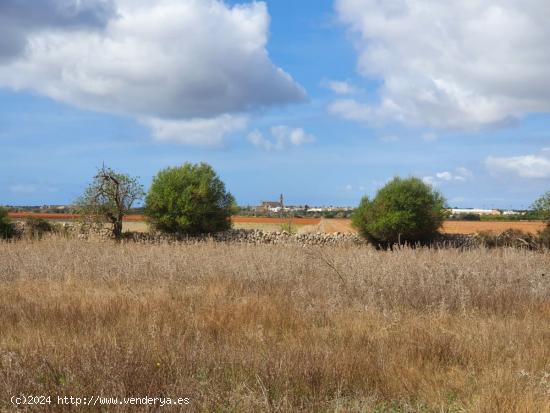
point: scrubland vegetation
(277, 328)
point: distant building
(513, 212)
(478, 211)
(272, 206)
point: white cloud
(430, 180)
(257, 139)
(349, 187)
(350, 109)
(444, 176)
(169, 60)
(527, 166)
(20, 18)
(340, 87)
(452, 65)
(198, 131)
(460, 174)
(283, 137)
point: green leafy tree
(190, 199)
(541, 207)
(405, 210)
(7, 229)
(109, 197)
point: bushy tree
(541, 207)
(190, 199)
(405, 210)
(109, 197)
(7, 229)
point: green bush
(544, 237)
(541, 207)
(403, 211)
(190, 199)
(470, 217)
(37, 227)
(7, 229)
(289, 227)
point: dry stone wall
(246, 236)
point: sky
(321, 100)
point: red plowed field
(333, 225)
(140, 218)
(64, 217)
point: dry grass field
(245, 328)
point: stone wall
(246, 236)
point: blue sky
(369, 91)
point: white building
(478, 211)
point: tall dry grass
(275, 328)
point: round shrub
(190, 199)
(544, 237)
(403, 211)
(7, 229)
(37, 227)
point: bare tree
(109, 197)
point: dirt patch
(449, 227)
(472, 227)
(266, 220)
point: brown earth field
(450, 227)
(141, 218)
(64, 217)
(330, 225)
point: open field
(137, 223)
(276, 328)
(64, 217)
(471, 227)
(451, 227)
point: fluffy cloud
(283, 138)
(172, 61)
(203, 132)
(340, 87)
(20, 18)
(460, 174)
(452, 65)
(527, 166)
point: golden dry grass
(273, 328)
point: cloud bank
(283, 138)
(451, 65)
(460, 174)
(160, 62)
(535, 166)
(21, 18)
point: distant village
(267, 208)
